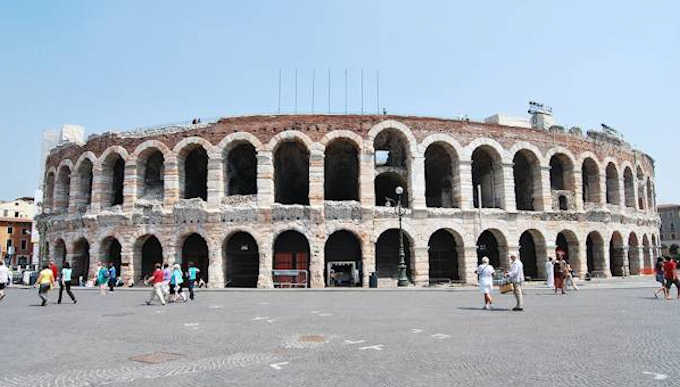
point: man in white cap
(516, 277)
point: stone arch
(493, 244)
(343, 257)
(62, 190)
(291, 169)
(392, 157)
(532, 253)
(147, 251)
(291, 251)
(442, 175)
(629, 186)
(567, 244)
(562, 167)
(152, 145)
(595, 255)
(110, 251)
(346, 135)
(239, 163)
(487, 175)
(590, 175)
(444, 139)
(84, 171)
(618, 264)
(387, 257)
(405, 131)
(341, 169)
(80, 261)
(193, 155)
(241, 259)
(239, 138)
(646, 255)
(446, 256)
(290, 135)
(612, 184)
(526, 172)
(150, 161)
(59, 251)
(112, 163)
(634, 261)
(194, 247)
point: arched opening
(591, 181)
(113, 170)
(62, 192)
(567, 244)
(291, 252)
(492, 244)
(385, 186)
(595, 255)
(80, 266)
(85, 179)
(526, 172)
(343, 266)
(650, 197)
(634, 261)
(629, 187)
(641, 188)
(387, 256)
(59, 252)
(617, 261)
(561, 173)
(49, 192)
(151, 165)
(441, 165)
(532, 253)
(242, 256)
(563, 203)
(291, 173)
(487, 175)
(149, 252)
(110, 253)
(341, 171)
(241, 170)
(195, 249)
(612, 185)
(648, 264)
(443, 257)
(193, 172)
(655, 250)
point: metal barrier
(290, 278)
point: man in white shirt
(516, 277)
(550, 273)
(4, 279)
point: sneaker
(148, 302)
(75, 301)
(43, 303)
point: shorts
(659, 278)
(2, 285)
(172, 288)
(670, 282)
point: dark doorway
(443, 257)
(343, 252)
(85, 177)
(195, 249)
(595, 254)
(487, 175)
(242, 170)
(291, 173)
(387, 255)
(591, 181)
(80, 266)
(243, 261)
(527, 254)
(341, 169)
(117, 182)
(291, 252)
(196, 174)
(616, 256)
(526, 174)
(110, 253)
(487, 246)
(152, 253)
(438, 177)
(385, 186)
(562, 244)
(153, 171)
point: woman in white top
(485, 274)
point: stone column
(366, 176)
(265, 248)
(130, 185)
(171, 181)
(316, 178)
(265, 179)
(604, 261)
(578, 190)
(215, 180)
(466, 191)
(417, 184)
(626, 263)
(316, 261)
(621, 191)
(75, 196)
(602, 200)
(507, 193)
(215, 269)
(543, 201)
(581, 264)
(128, 269)
(470, 265)
(367, 259)
(420, 266)
(97, 191)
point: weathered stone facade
(186, 192)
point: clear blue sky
(126, 64)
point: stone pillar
(606, 271)
(578, 190)
(75, 196)
(97, 191)
(130, 185)
(316, 260)
(215, 180)
(316, 178)
(543, 200)
(420, 266)
(466, 199)
(602, 200)
(367, 259)
(215, 268)
(417, 183)
(470, 265)
(265, 248)
(366, 176)
(581, 264)
(128, 267)
(622, 192)
(626, 264)
(265, 179)
(171, 181)
(507, 193)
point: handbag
(506, 288)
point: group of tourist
(666, 270)
(515, 277)
(168, 283)
(559, 274)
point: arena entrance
(242, 266)
(443, 257)
(387, 255)
(59, 252)
(634, 261)
(195, 249)
(343, 266)
(492, 244)
(80, 264)
(528, 255)
(110, 253)
(151, 253)
(595, 254)
(617, 261)
(291, 253)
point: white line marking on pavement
(440, 336)
(656, 376)
(416, 330)
(277, 366)
(355, 342)
(271, 320)
(191, 325)
(215, 307)
(325, 314)
(260, 318)
(315, 312)
(263, 303)
(378, 347)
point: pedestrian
(549, 274)
(156, 281)
(102, 278)
(45, 282)
(167, 273)
(4, 279)
(670, 274)
(65, 283)
(176, 284)
(485, 274)
(191, 281)
(569, 276)
(54, 268)
(112, 277)
(516, 277)
(558, 271)
(658, 271)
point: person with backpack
(485, 274)
(65, 283)
(102, 278)
(112, 276)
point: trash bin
(373, 280)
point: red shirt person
(157, 283)
(669, 269)
(54, 268)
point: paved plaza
(594, 337)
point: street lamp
(400, 211)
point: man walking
(157, 283)
(193, 270)
(670, 274)
(549, 273)
(516, 277)
(4, 279)
(112, 276)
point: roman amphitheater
(261, 201)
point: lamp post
(403, 279)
